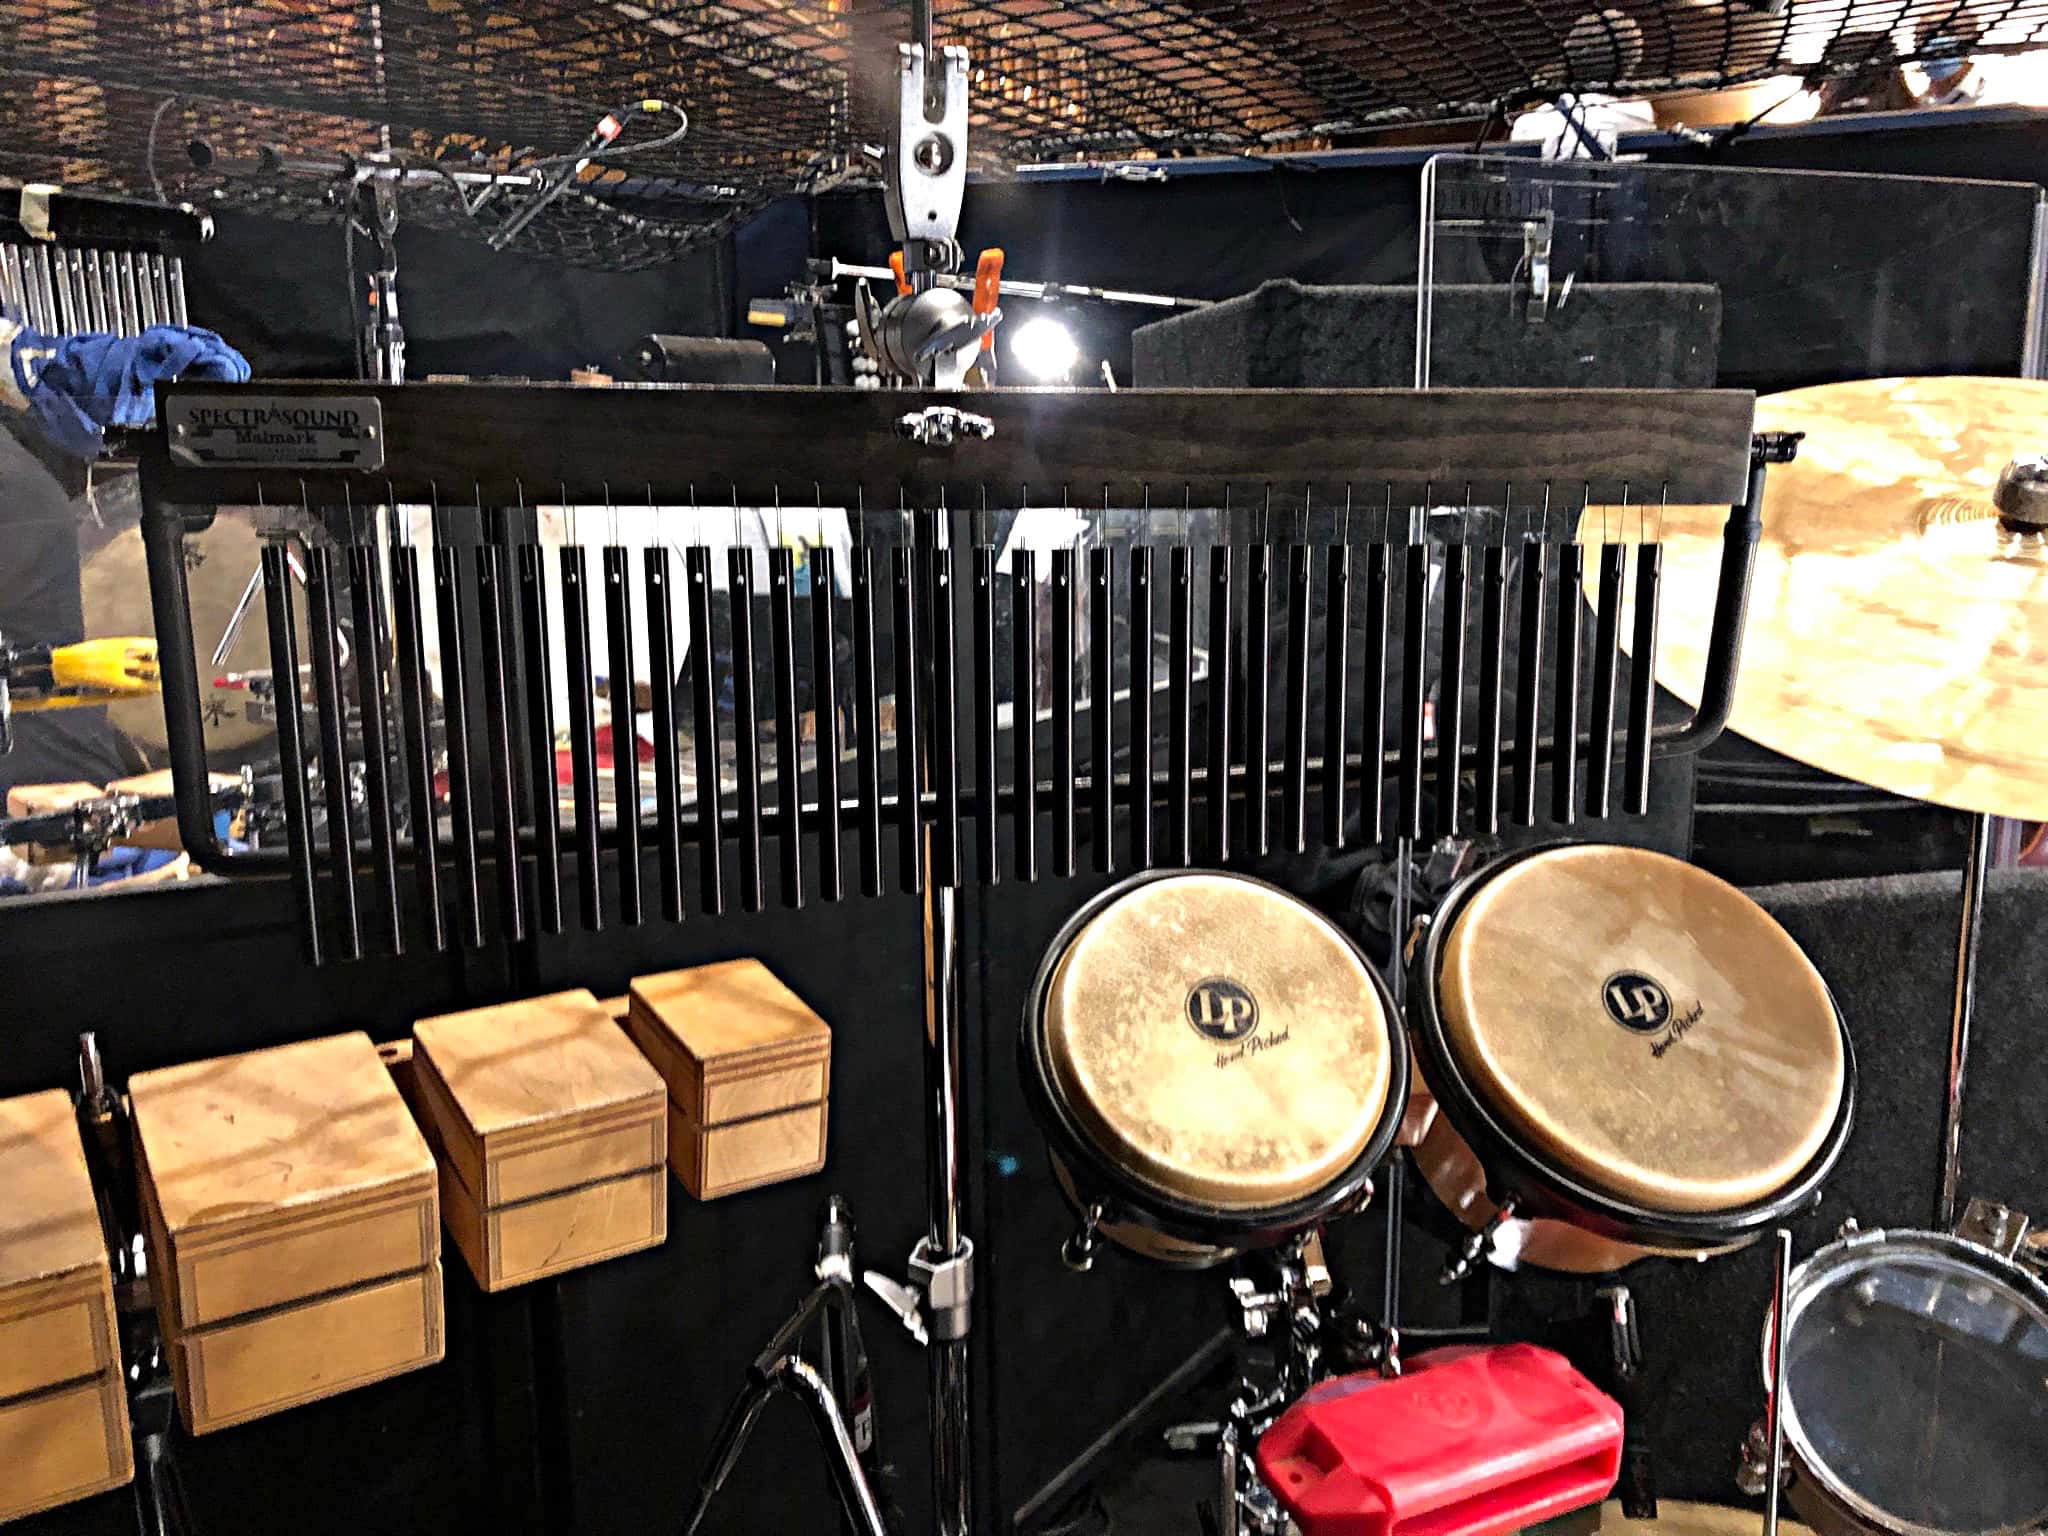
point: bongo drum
(1629, 1056)
(1214, 1064)
(1916, 1388)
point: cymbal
(1898, 631)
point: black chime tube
(944, 725)
(540, 739)
(1294, 787)
(469, 902)
(1024, 712)
(1141, 706)
(1379, 583)
(867, 721)
(418, 747)
(1064, 600)
(1493, 589)
(493, 621)
(582, 733)
(1414, 686)
(1642, 691)
(1336, 688)
(661, 673)
(1564, 749)
(1606, 674)
(322, 621)
(1528, 680)
(1221, 702)
(1180, 691)
(909, 721)
(291, 750)
(825, 710)
(708, 756)
(746, 727)
(1258, 646)
(618, 608)
(1102, 706)
(1450, 710)
(985, 786)
(370, 666)
(789, 747)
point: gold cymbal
(1898, 633)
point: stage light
(1045, 349)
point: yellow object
(123, 666)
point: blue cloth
(78, 386)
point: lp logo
(1222, 1009)
(1637, 1002)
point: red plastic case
(1470, 1441)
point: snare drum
(1916, 1388)
(1629, 1057)
(1214, 1064)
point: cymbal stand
(839, 1398)
(1976, 865)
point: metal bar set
(62, 289)
(766, 738)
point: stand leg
(952, 1489)
(1975, 868)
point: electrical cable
(156, 118)
(598, 148)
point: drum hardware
(838, 1393)
(91, 827)
(37, 677)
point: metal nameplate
(277, 431)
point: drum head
(1643, 1026)
(1218, 1042)
(1917, 1383)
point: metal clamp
(1477, 1247)
(1775, 447)
(1078, 1252)
(940, 426)
(1991, 1225)
(947, 1286)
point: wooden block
(56, 1291)
(163, 832)
(533, 1097)
(240, 1371)
(279, 1175)
(731, 1040)
(725, 1159)
(63, 1444)
(40, 800)
(512, 1244)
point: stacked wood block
(294, 1232)
(63, 1414)
(748, 1067)
(550, 1132)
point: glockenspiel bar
(746, 727)
(903, 564)
(1180, 681)
(944, 725)
(825, 711)
(369, 661)
(1221, 700)
(1379, 582)
(1141, 706)
(322, 625)
(1642, 694)
(414, 694)
(1528, 691)
(706, 754)
(1606, 668)
(540, 738)
(1493, 582)
(1336, 689)
(1024, 712)
(1102, 706)
(985, 735)
(789, 747)
(1414, 686)
(1258, 643)
(1065, 598)
(867, 721)
(661, 672)
(291, 752)
(582, 733)
(1564, 747)
(1450, 712)
(618, 609)
(1294, 785)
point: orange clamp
(896, 266)
(988, 287)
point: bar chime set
(1271, 605)
(72, 265)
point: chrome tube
(1975, 867)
